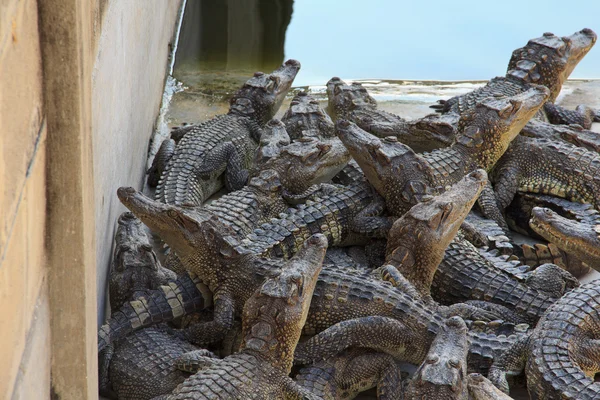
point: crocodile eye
(432, 359)
(147, 247)
(172, 214)
(454, 363)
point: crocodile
(519, 213)
(402, 177)
(417, 240)
(577, 238)
(560, 357)
(272, 321)
(135, 265)
(465, 274)
(143, 364)
(547, 60)
(545, 166)
(574, 134)
(353, 371)
(353, 103)
(305, 118)
(224, 145)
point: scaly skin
(573, 237)
(143, 364)
(530, 165)
(465, 274)
(562, 355)
(294, 173)
(135, 266)
(344, 376)
(274, 138)
(271, 325)
(181, 297)
(232, 272)
(226, 143)
(305, 118)
(418, 240)
(353, 103)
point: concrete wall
(128, 81)
(24, 323)
(80, 86)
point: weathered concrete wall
(128, 81)
(60, 62)
(24, 324)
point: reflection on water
(222, 43)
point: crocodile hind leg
(375, 332)
(225, 156)
(159, 163)
(582, 115)
(511, 363)
(552, 279)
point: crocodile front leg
(489, 207)
(582, 115)
(370, 223)
(194, 361)
(207, 333)
(161, 158)
(225, 156)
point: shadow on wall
(221, 42)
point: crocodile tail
(559, 370)
(176, 299)
(485, 347)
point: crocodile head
(550, 59)
(344, 98)
(576, 238)
(401, 176)
(273, 138)
(188, 230)
(274, 316)
(306, 118)
(262, 95)
(135, 266)
(308, 161)
(486, 131)
(418, 240)
(443, 373)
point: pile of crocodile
(356, 250)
